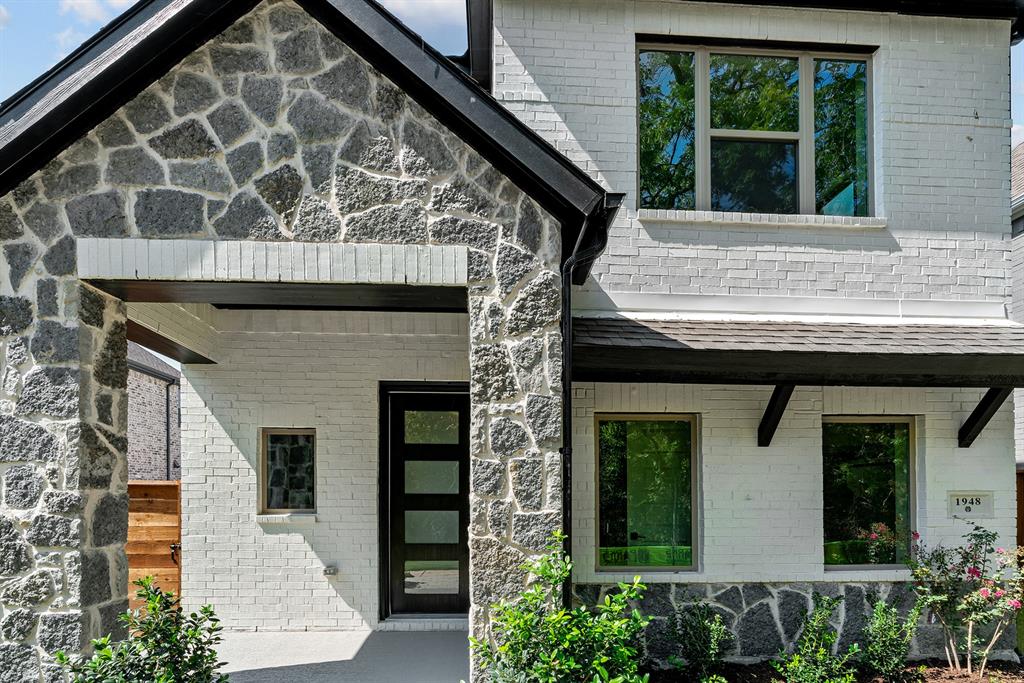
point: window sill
(895, 572)
(762, 220)
(293, 518)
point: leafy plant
(703, 640)
(813, 661)
(967, 588)
(536, 640)
(889, 637)
(164, 645)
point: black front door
(427, 509)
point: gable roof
(143, 44)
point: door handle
(175, 547)
(635, 536)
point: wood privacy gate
(154, 534)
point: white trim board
(247, 261)
(596, 303)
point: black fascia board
(144, 44)
(595, 363)
(41, 120)
(966, 9)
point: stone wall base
(766, 618)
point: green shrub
(888, 639)
(163, 646)
(703, 640)
(536, 640)
(813, 661)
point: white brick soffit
(248, 261)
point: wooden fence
(154, 534)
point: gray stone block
(53, 342)
(187, 140)
(23, 485)
(15, 315)
(98, 215)
(281, 189)
(147, 113)
(527, 482)
(110, 520)
(62, 257)
(263, 96)
(316, 120)
(206, 175)
(46, 297)
(133, 166)
(169, 213)
(22, 441)
(346, 82)
(53, 531)
(230, 122)
(316, 221)
(487, 477)
(229, 61)
(18, 624)
(29, 590)
(44, 221)
(20, 258)
(51, 391)
(299, 53)
(507, 437)
(538, 305)
(61, 632)
(247, 217)
(245, 162)
(405, 223)
(193, 93)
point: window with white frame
(287, 470)
(753, 131)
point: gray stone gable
(273, 131)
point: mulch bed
(997, 672)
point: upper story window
(753, 131)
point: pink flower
(873, 537)
(974, 572)
(1000, 593)
(1015, 604)
(1000, 550)
(916, 536)
(984, 592)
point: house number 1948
(971, 504)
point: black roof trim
(966, 9)
(141, 46)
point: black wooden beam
(143, 336)
(773, 414)
(987, 407)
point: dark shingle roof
(801, 353)
(140, 356)
(718, 335)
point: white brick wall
(297, 369)
(762, 507)
(941, 118)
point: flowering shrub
(536, 640)
(967, 588)
(883, 543)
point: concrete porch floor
(346, 657)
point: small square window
(287, 470)
(646, 484)
(867, 490)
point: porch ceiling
(815, 354)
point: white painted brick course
(941, 143)
(297, 369)
(761, 508)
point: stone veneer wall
(275, 130)
(63, 458)
(766, 618)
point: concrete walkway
(346, 657)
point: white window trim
(265, 514)
(912, 454)
(696, 505)
(703, 133)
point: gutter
(598, 219)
